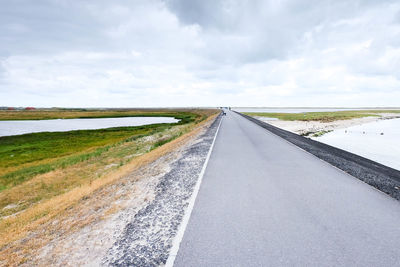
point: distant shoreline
(310, 128)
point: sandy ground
(88, 245)
(122, 204)
(308, 128)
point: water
(297, 110)
(378, 141)
(62, 125)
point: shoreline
(317, 128)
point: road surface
(265, 202)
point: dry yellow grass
(25, 225)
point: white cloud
(200, 53)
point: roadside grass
(322, 116)
(48, 151)
(64, 174)
(50, 197)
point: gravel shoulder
(384, 178)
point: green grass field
(322, 116)
(28, 155)
(25, 156)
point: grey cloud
(45, 26)
(240, 32)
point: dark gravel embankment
(384, 178)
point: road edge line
(185, 220)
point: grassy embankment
(322, 116)
(25, 156)
(43, 174)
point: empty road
(265, 202)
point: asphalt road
(265, 202)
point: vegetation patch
(321, 133)
(322, 116)
(48, 114)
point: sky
(180, 53)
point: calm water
(366, 140)
(295, 110)
(33, 126)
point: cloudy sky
(128, 53)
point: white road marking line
(181, 231)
